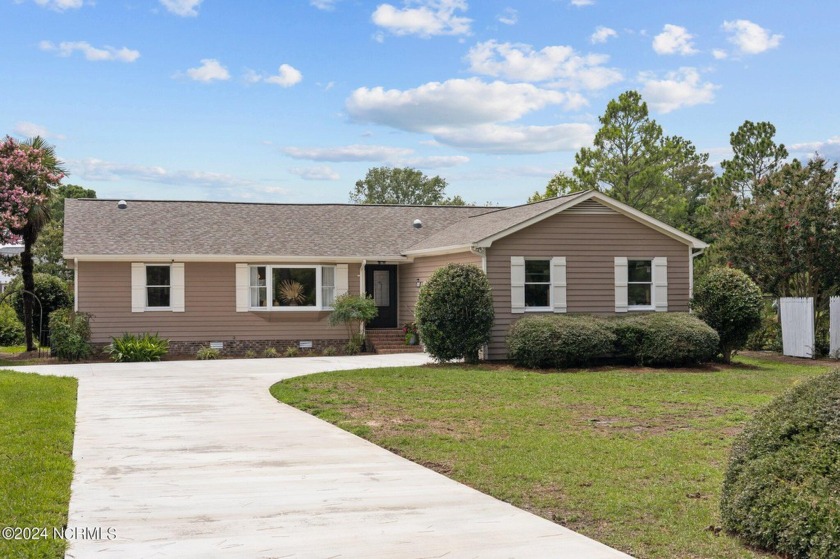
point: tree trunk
(27, 271)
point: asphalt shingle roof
(165, 228)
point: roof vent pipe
(417, 224)
(122, 204)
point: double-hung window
(537, 284)
(158, 286)
(639, 284)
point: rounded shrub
(11, 328)
(660, 339)
(558, 341)
(782, 486)
(70, 335)
(454, 312)
(730, 302)
(53, 294)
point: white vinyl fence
(834, 332)
(797, 315)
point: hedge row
(558, 341)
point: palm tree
(36, 218)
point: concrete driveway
(196, 459)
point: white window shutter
(138, 287)
(558, 283)
(176, 287)
(660, 284)
(517, 284)
(620, 284)
(342, 280)
(243, 288)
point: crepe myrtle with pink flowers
(29, 171)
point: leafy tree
(49, 248)
(402, 185)
(559, 185)
(454, 312)
(756, 157)
(632, 161)
(730, 302)
(29, 171)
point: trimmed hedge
(666, 339)
(454, 312)
(558, 341)
(782, 487)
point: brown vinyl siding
(210, 302)
(422, 268)
(590, 244)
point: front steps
(390, 340)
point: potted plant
(411, 335)
(291, 293)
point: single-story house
(257, 275)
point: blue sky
(293, 100)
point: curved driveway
(189, 459)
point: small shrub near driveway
(352, 311)
(662, 339)
(454, 312)
(782, 488)
(137, 348)
(70, 335)
(558, 341)
(270, 353)
(730, 302)
(207, 353)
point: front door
(381, 284)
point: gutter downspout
(362, 287)
(75, 285)
(481, 251)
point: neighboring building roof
(10, 250)
(179, 230)
(96, 227)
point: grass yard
(37, 418)
(634, 458)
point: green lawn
(633, 458)
(37, 418)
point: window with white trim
(537, 284)
(291, 287)
(640, 284)
(327, 286)
(158, 286)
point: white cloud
(602, 34)
(679, 89)
(719, 54)
(67, 48)
(560, 63)
(434, 161)
(210, 70)
(674, 40)
(184, 8)
(501, 139)
(99, 170)
(355, 152)
(30, 130)
(453, 103)
(581, 3)
(423, 18)
(829, 148)
(326, 5)
(509, 16)
(60, 5)
(749, 37)
(321, 173)
(286, 76)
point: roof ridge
(244, 203)
(571, 195)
